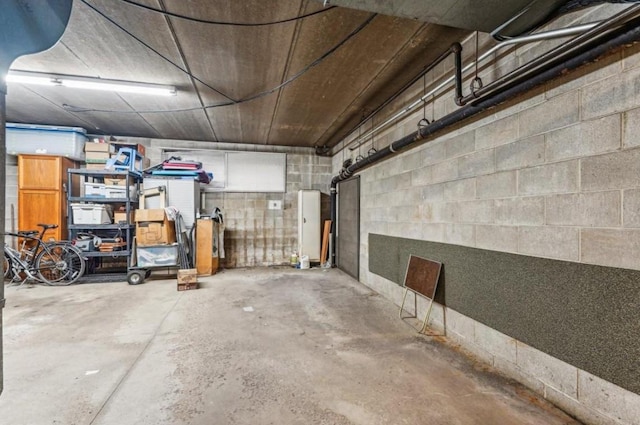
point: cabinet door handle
(304, 220)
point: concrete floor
(316, 347)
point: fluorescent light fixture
(28, 79)
(88, 83)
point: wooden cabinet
(42, 185)
(207, 246)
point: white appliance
(181, 193)
(309, 224)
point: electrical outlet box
(274, 205)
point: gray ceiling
(231, 64)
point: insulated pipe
(402, 89)
(334, 219)
(553, 56)
(630, 36)
(546, 35)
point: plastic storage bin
(157, 256)
(45, 139)
(91, 214)
(119, 191)
(97, 190)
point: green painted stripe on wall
(585, 315)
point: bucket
(304, 262)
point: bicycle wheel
(59, 264)
(7, 267)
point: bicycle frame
(18, 265)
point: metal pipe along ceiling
(625, 34)
(547, 35)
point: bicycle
(52, 263)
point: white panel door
(309, 224)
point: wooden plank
(204, 246)
(422, 276)
(325, 241)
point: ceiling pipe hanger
(546, 35)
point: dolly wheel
(135, 277)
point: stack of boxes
(96, 155)
(98, 152)
(155, 239)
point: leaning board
(422, 276)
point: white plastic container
(157, 255)
(45, 139)
(90, 214)
(304, 262)
(97, 190)
(115, 191)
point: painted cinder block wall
(554, 173)
(255, 235)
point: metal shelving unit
(130, 202)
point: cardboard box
(187, 276)
(115, 181)
(153, 228)
(122, 216)
(97, 155)
(187, 279)
(187, 286)
(96, 166)
(98, 147)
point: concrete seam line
(135, 362)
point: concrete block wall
(255, 235)
(11, 195)
(554, 173)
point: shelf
(106, 254)
(100, 226)
(128, 198)
(85, 172)
(97, 199)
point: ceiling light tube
(87, 83)
(29, 79)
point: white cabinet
(309, 224)
(182, 194)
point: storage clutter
(108, 219)
(101, 154)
